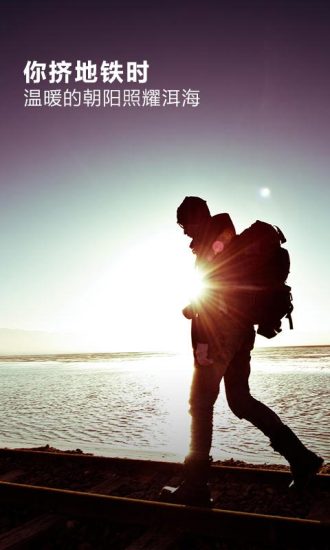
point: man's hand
(188, 312)
(201, 357)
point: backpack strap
(289, 317)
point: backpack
(263, 266)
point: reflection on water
(139, 402)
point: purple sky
(80, 185)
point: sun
(195, 284)
(137, 301)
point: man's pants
(231, 361)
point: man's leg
(204, 391)
(225, 345)
(238, 393)
(203, 394)
(304, 463)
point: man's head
(191, 214)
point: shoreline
(139, 454)
(155, 456)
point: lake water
(135, 404)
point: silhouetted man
(223, 336)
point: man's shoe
(189, 494)
(304, 471)
(304, 463)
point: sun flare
(195, 284)
(137, 302)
